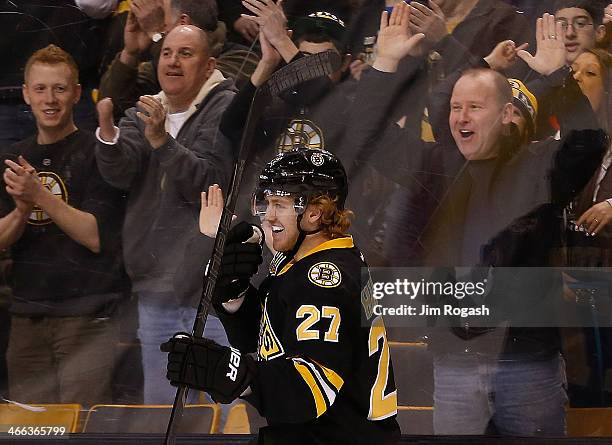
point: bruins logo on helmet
(56, 186)
(317, 159)
(325, 274)
(294, 172)
(301, 133)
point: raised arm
(126, 78)
(395, 39)
(372, 131)
(273, 24)
(232, 122)
(119, 162)
(550, 52)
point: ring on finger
(596, 220)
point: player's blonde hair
(52, 55)
(334, 222)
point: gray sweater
(163, 248)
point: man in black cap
(313, 114)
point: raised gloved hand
(202, 364)
(241, 259)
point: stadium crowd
(475, 139)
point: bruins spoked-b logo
(55, 185)
(301, 133)
(317, 159)
(325, 274)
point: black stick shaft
(210, 279)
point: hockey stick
(301, 70)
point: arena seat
(589, 422)
(61, 415)
(243, 419)
(237, 420)
(197, 419)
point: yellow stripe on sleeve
(332, 376)
(314, 388)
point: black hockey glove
(202, 364)
(241, 259)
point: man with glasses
(581, 30)
(582, 26)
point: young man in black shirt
(60, 220)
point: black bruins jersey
(324, 373)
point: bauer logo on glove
(234, 364)
(202, 364)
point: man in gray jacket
(164, 153)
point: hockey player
(323, 371)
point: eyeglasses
(578, 23)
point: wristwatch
(157, 37)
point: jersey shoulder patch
(325, 274)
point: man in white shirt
(165, 151)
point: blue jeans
(156, 324)
(517, 398)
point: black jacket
(467, 213)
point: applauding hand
(153, 114)
(429, 21)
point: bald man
(486, 209)
(165, 151)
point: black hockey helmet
(303, 174)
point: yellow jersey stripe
(331, 375)
(328, 390)
(314, 388)
(346, 242)
(286, 267)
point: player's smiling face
(282, 217)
